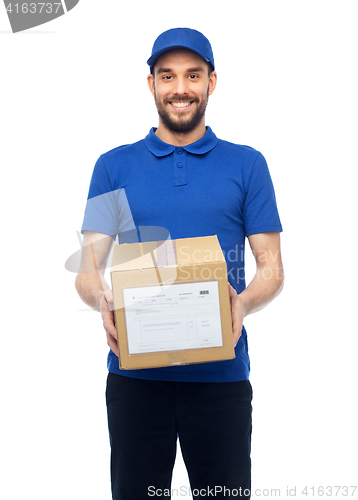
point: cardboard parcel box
(171, 303)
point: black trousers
(211, 420)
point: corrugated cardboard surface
(169, 262)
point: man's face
(181, 86)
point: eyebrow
(163, 70)
(197, 69)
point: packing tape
(177, 357)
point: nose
(181, 86)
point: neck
(180, 139)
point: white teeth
(180, 104)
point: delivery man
(181, 177)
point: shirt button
(179, 165)
(179, 151)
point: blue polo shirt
(208, 187)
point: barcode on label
(202, 292)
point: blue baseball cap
(182, 38)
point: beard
(178, 123)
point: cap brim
(157, 54)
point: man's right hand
(106, 308)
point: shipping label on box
(180, 316)
(171, 303)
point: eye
(193, 77)
(167, 77)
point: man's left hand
(237, 314)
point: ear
(212, 82)
(151, 84)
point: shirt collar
(160, 148)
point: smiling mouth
(181, 105)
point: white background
(75, 88)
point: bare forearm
(265, 286)
(91, 287)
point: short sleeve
(107, 210)
(260, 209)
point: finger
(236, 326)
(110, 328)
(236, 337)
(108, 323)
(235, 316)
(232, 292)
(109, 298)
(112, 343)
(106, 304)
